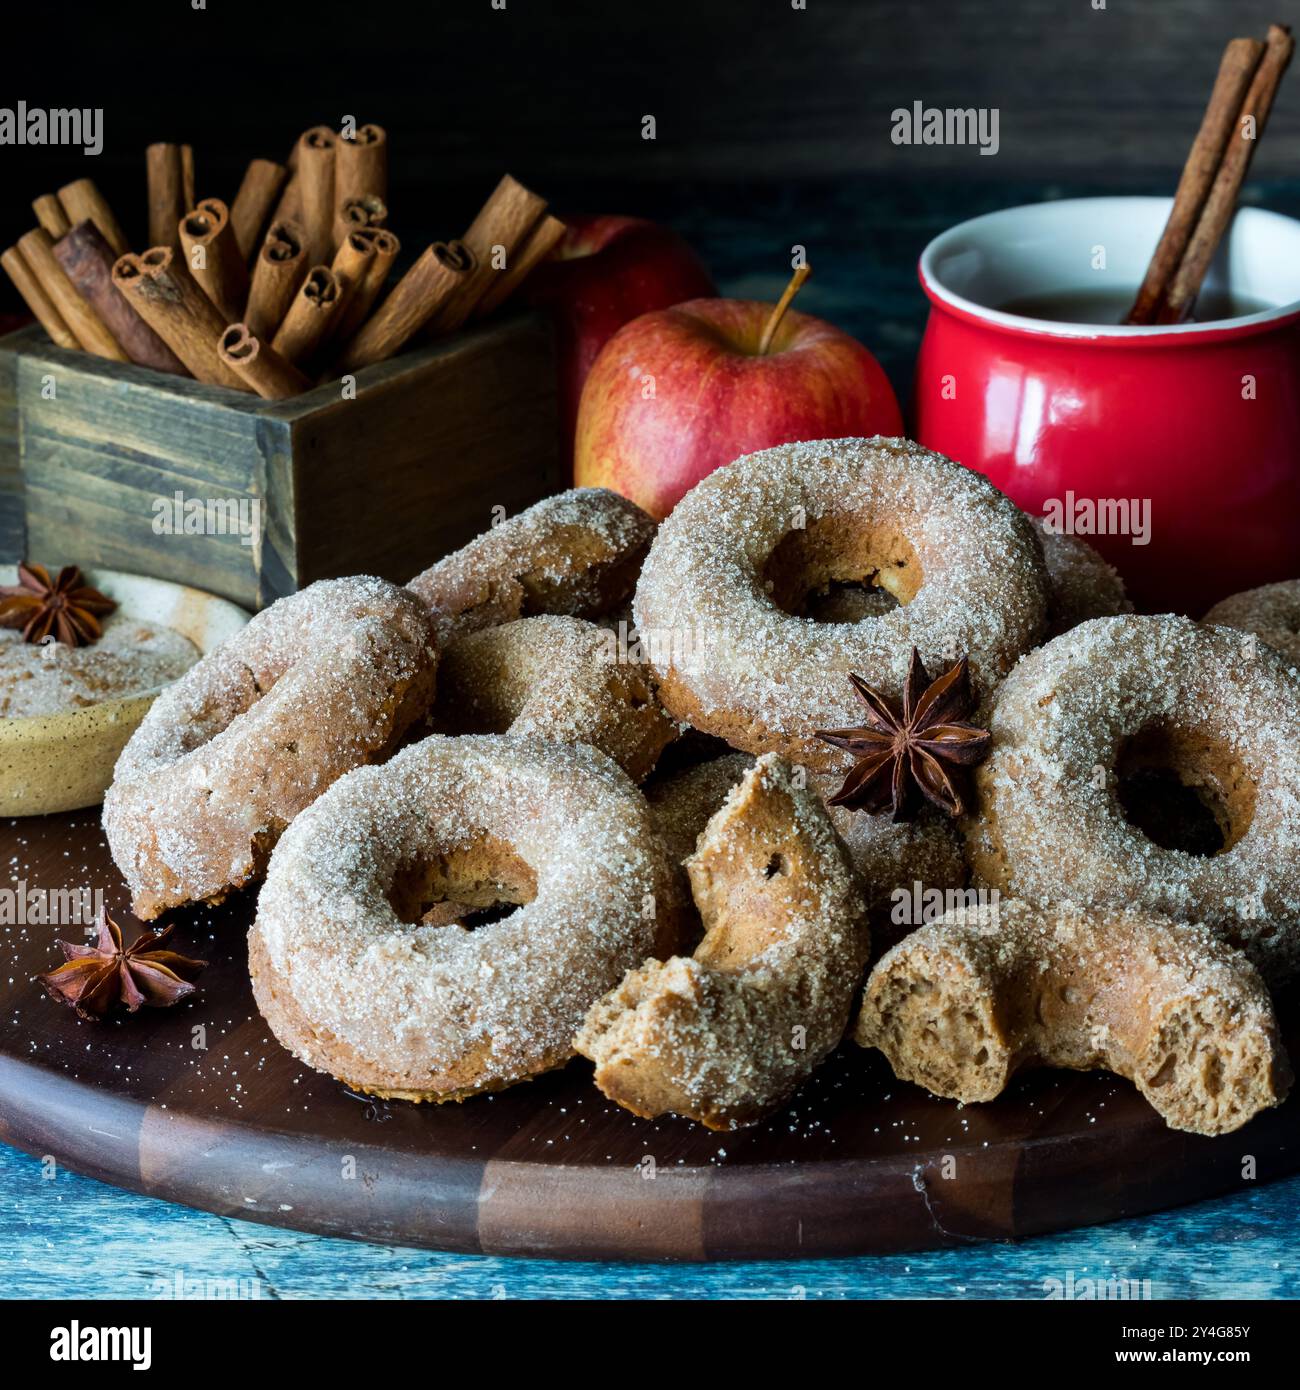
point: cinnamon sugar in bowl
(66, 714)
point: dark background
(773, 123)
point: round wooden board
(199, 1104)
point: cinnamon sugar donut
(1081, 585)
(577, 553)
(356, 965)
(1271, 612)
(717, 604)
(553, 678)
(725, 1035)
(316, 684)
(885, 854)
(1107, 708)
(965, 1002)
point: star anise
(67, 606)
(94, 978)
(927, 746)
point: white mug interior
(1081, 244)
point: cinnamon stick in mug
(87, 260)
(259, 366)
(386, 249)
(168, 203)
(278, 271)
(496, 234)
(414, 300)
(258, 191)
(213, 257)
(315, 187)
(165, 295)
(308, 321)
(81, 199)
(539, 244)
(34, 296)
(49, 213)
(87, 327)
(361, 165)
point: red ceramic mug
(1176, 451)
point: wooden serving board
(199, 1104)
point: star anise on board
(94, 978)
(927, 747)
(66, 607)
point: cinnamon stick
(213, 257)
(386, 249)
(351, 261)
(187, 177)
(81, 200)
(361, 165)
(1236, 68)
(315, 183)
(87, 327)
(368, 210)
(414, 301)
(258, 190)
(280, 268)
(87, 260)
(495, 235)
(259, 366)
(49, 213)
(34, 296)
(165, 295)
(310, 315)
(168, 202)
(539, 244)
(1222, 201)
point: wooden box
(94, 453)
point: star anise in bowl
(66, 608)
(926, 747)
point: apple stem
(778, 313)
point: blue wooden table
(66, 1236)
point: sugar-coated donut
(725, 1035)
(1118, 697)
(576, 553)
(1081, 585)
(553, 678)
(1271, 612)
(885, 854)
(360, 973)
(963, 1003)
(317, 684)
(717, 602)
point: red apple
(677, 393)
(604, 272)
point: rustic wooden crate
(382, 484)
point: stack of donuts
(564, 794)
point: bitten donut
(1111, 705)
(965, 1002)
(1081, 585)
(361, 970)
(725, 1035)
(317, 684)
(553, 678)
(885, 854)
(1271, 612)
(577, 553)
(718, 602)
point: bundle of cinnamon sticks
(1249, 75)
(282, 288)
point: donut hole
(474, 884)
(1184, 790)
(842, 569)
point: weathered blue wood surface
(68, 1236)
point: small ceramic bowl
(61, 762)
